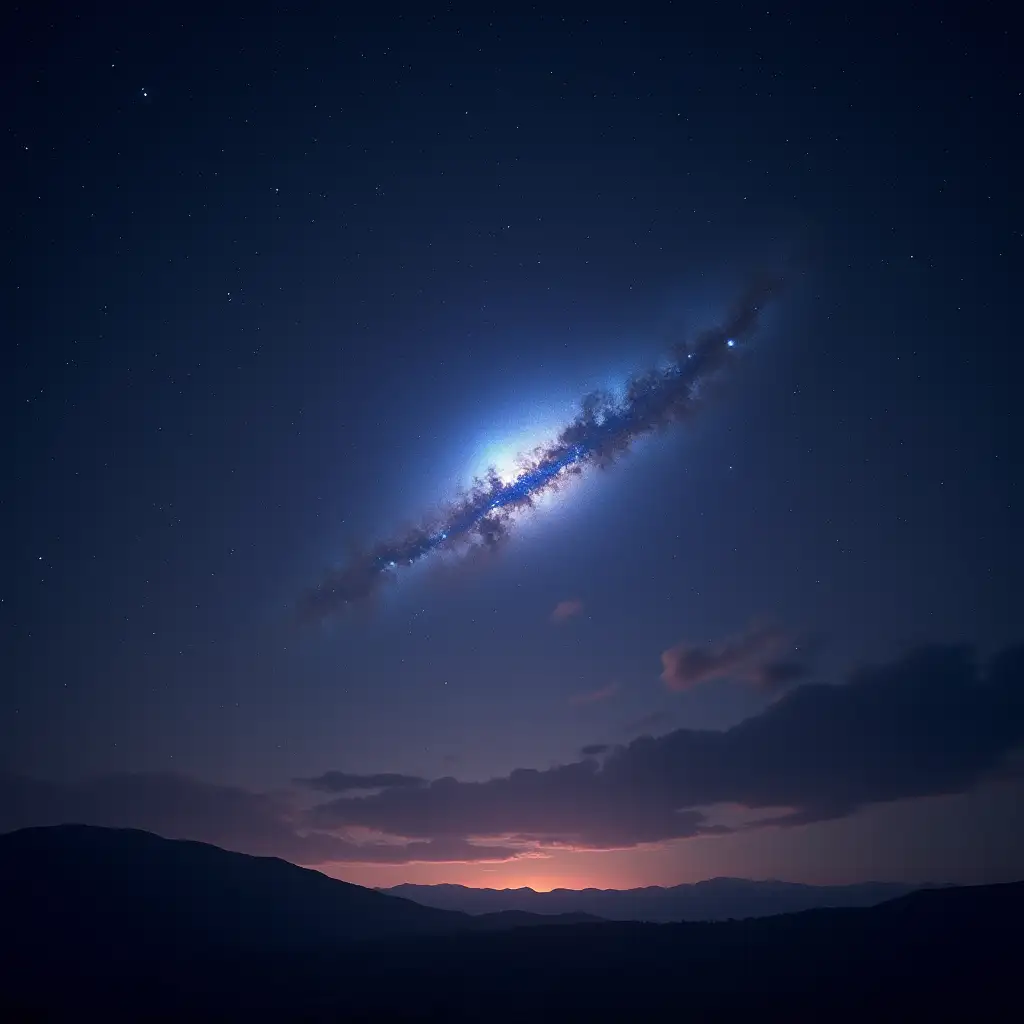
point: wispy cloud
(763, 656)
(345, 782)
(179, 807)
(565, 610)
(594, 696)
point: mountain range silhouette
(716, 899)
(121, 924)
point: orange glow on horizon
(538, 884)
(561, 869)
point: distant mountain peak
(710, 899)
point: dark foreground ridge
(70, 878)
(124, 924)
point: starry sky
(280, 287)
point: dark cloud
(756, 656)
(595, 749)
(565, 610)
(178, 807)
(928, 724)
(581, 805)
(345, 782)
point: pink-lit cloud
(566, 610)
(594, 696)
(763, 656)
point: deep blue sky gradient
(279, 284)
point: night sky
(278, 288)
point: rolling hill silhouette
(123, 924)
(137, 882)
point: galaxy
(603, 431)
